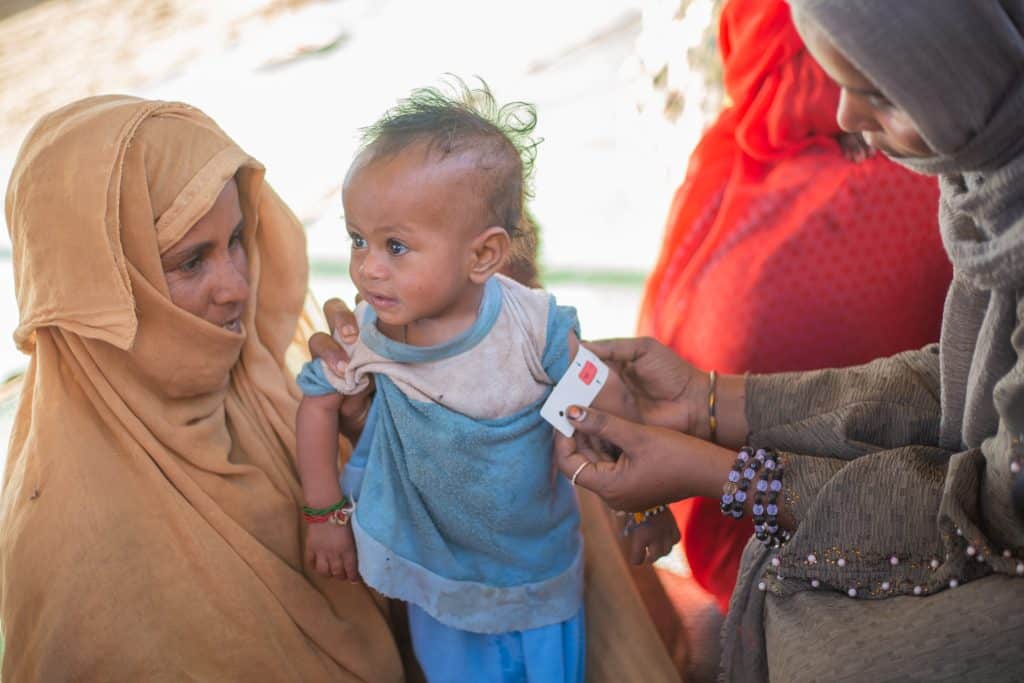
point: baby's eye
(358, 242)
(396, 248)
(236, 238)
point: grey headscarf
(956, 67)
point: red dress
(779, 253)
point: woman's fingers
(615, 430)
(341, 320)
(622, 350)
(584, 467)
(567, 458)
(322, 346)
(637, 552)
(658, 549)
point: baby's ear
(490, 249)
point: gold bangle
(712, 398)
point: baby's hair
(457, 117)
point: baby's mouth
(379, 302)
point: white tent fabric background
(293, 80)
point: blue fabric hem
(312, 381)
(469, 605)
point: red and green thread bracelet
(338, 513)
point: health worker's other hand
(331, 551)
(669, 392)
(653, 539)
(342, 323)
(657, 465)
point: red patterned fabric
(779, 253)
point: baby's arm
(330, 548)
(655, 536)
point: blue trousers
(548, 654)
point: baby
(459, 512)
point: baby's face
(412, 218)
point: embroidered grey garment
(899, 471)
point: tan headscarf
(150, 522)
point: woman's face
(207, 271)
(862, 108)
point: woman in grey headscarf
(906, 559)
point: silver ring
(579, 469)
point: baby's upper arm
(614, 397)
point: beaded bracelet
(338, 513)
(734, 491)
(766, 506)
(639, 519)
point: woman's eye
(236, 238)
(357, 241)
(191, 265)
(878, 101)
(396, 248)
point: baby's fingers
(322, 565)
(337, 565)
(351, 565)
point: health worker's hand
(669, 391)
(657, 465)
(652, 539)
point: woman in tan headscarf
(149, 520)
(150, 509)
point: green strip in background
(630, 279)
(599, 278)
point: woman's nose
(232, 286)
(854, 115)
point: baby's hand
(654, 538)
(331, 551)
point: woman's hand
(653, 539)
(331, 551)
(657, 465)
(669, 391)
(341, 321)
